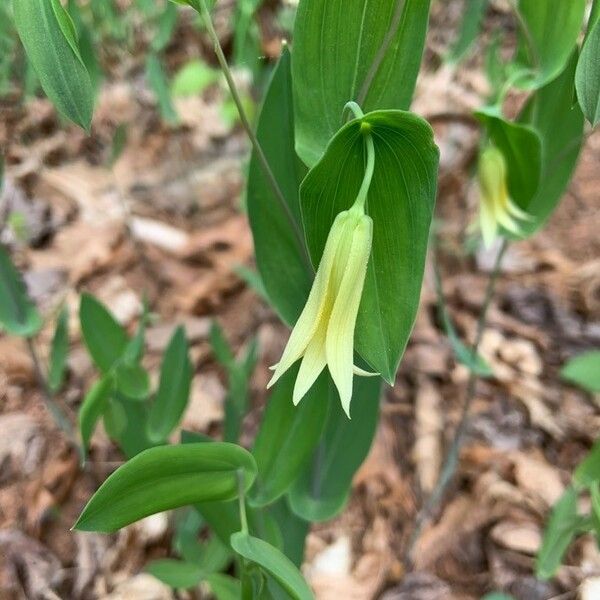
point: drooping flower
(496, 208)
(324, 332)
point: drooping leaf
(176, 573)
(173, 388)
(48, 35)
(104, 338)
(587, 77)
(59, 351)
(274, 562)
(323, 487)
(293, 430)
(368, 51)
(164, 478)
(286, 273)
(473, 12)
(584, 371)
(18, 314)
(93, 407)
(400, 202)
(551, 31)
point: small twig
(266, 168)
(59, 416)
(451, 461)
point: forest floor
(166, 221)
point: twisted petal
(339, 344)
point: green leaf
(59, 351)
(186, 541)
(562, 527)
(595, 516)
(173, 389)
(584, 371)
(295, 528)
(551, 31)
(559, 123)
(132, 380)
(164, 478)
(193, 78)
(18, 314)
(175, 573)
(473, 10)
(293, 430)
(47, 33)
(274, 563)
(322, 489)
(93, 407)
(157, 80)
(133, 416)
(588, 471)
(400, 202)
(286, 274)
(224, 587)
(587, 78)
(104, 338)
(497, 596)
(167, 21)
(368, 51)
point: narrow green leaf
(93, 407)
(363, 50)
(293, 430)
(104, 338)
(274, 563)
(167, 21)
(588, 471)
(286, 274)
(132, 380)
(175, 573)
(400, 202)
(48, 36)
(322, 489)
(587, 78)
(221, 348)
(59, 351)
(164, 478)
(562, 527)
(584, 371)
(551, 31)
(174, 388)
(18, 314)
(473, 13)
(157, 80)
(224, 587)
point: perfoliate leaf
(164, 478)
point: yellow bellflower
(324, 333)
(496, 208)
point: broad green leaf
(93, 407)
(224, 587)
(132, 380)
(158, 83)
(295, 528)
(48, 35)
(293, 431)
(550, 33)
(322, 489)
(587, 77)
(274, 562)
(588, 471)
(164, 478)
(522, 150)
(193, 78)
(173, 389)
(473, 12)
(18, 314)
(176, 573)
(584, 371)
(563, 525)
(368, 51)
(104, 338)
(286, 273)
(559, 123)
(59, 351)
(400, 202)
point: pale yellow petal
(311, 366)
(488, 223)
(362, 373)
(517, 212)
(339, 345)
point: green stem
(205, 13)
(242, 501)
(451, 461)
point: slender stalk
(59, 416)
(205, 13)
(242, 501)
(451, 461)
